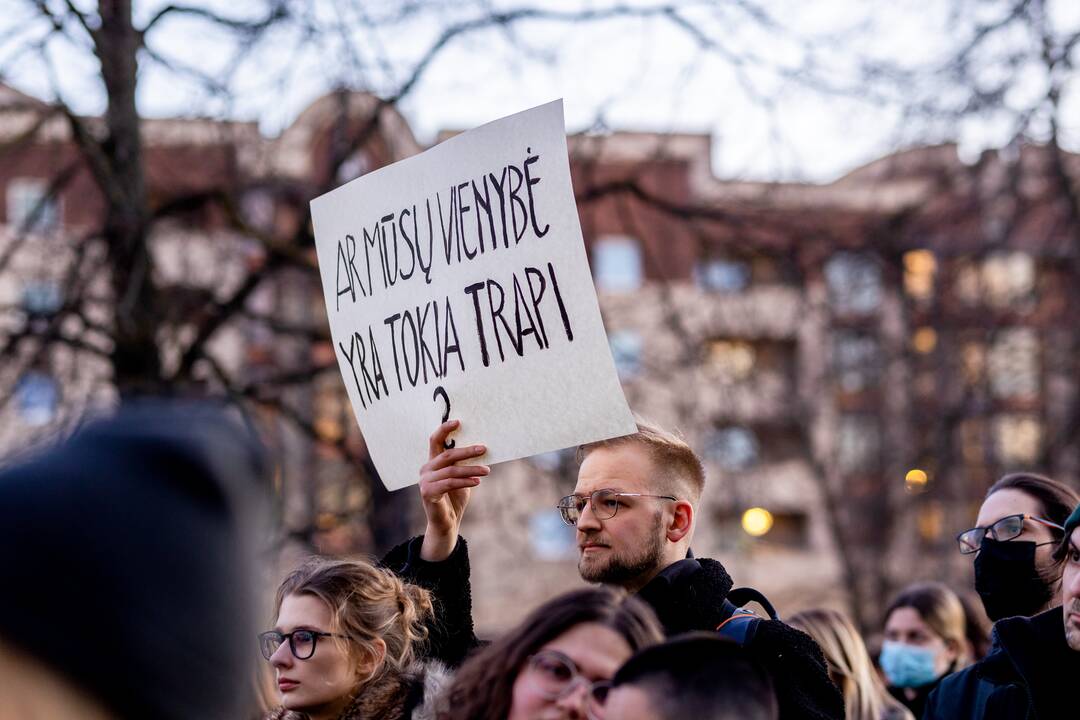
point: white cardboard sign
(456, 282)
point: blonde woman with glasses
(850, 667)
(348, 644)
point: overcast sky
(633, 73)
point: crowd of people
(136, 601)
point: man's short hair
(702, 676)
(681, 470)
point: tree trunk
(136, 360)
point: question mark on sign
(446, 412)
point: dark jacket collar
(689, 595)
(1035, 650)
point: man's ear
(682, 521)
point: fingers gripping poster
(457, 285)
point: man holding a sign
(633, 508)
(457, 283)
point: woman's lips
(285, 684)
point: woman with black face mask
(1019, 523)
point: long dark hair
(483, 688)
(1057, 499)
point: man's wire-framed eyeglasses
(1007, 528)
(556, 676)
(605, 503)
(301, 642)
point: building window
(784, 528)
(1008, 278)
(856, 361)
(732, 360)
(353, 167)
(42, 298)
(973, 441)
(29, 208)
(550, 538)
(931, 523)
(722, 275)
(626, 351)
(329, 412)
(554, 461)
(1002, 280)
(732, 448)
(920, 267)
(1013, 363)
(973, 362)
(854, 282)
(257, 208)
(1017, 439)
(37, 398)
(617, 263)
(858, 441)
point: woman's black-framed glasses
(556, 676)
(1007, 528)
(605, 503)
(301, 642)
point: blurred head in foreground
(556, 663)
(697, 675)
(128, 562)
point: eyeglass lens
(604, 505)
(554, 673)
(1007, 528)
(301, 643)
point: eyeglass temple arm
(1048, 523)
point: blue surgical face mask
(907, 666)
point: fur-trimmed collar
(418, 693)
(691, 597)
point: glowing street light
(915, 481)
(757, 521)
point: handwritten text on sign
(456, 283)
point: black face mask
(1007, 580)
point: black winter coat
(1030, 674)
(450, 635)
(689, 595)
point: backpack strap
(740, 626)
(741, 623)
(739, 597)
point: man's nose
(587, 519)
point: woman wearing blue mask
(924, 642)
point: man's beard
(1072, 633)
(622, 570)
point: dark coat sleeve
(799, 672)
(970, 695)
(953, 698)
(451, 635)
